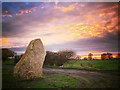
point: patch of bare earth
(89, 79)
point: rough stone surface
(30, 65)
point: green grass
(9, 62)
(61, 80)
(57, 81)
(48, 80)
(93, 64)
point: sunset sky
(83, 27)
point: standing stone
(30, 65)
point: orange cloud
(81, 29)
(107, 9)
(91, 26)
(69, 8)
(4, 40)
(6, 14)
(102, 14)
(21, 12)
(66, 9)
(112, 13)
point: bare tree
(58, 58)
(118, 56)
(103, 56)
(109, 55)
(7, 53)
(90, 56)
(66, 53)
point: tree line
(104, 56)
(52, 58)
(55, 58)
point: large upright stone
(30, 65)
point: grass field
(93, 64)
(48, 80)
(60, 80)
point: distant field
(93, 64)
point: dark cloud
(107, 43)
(8, 29)
(12, 29)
